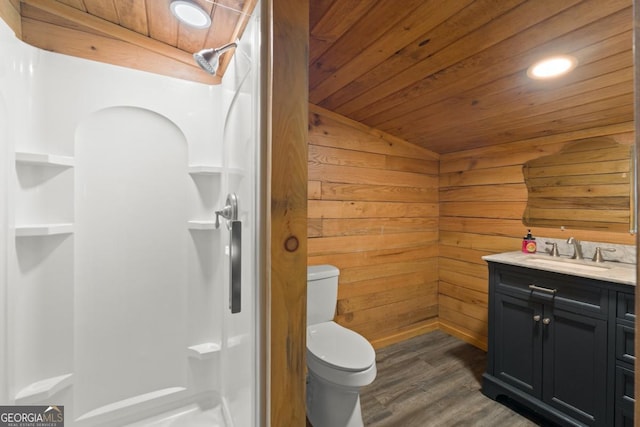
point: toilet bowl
(339, 360)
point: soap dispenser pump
(529, 243)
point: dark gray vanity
(561, 336)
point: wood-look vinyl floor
(434, 380)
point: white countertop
(609, 271)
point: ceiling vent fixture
(551, 67)
(190, 14)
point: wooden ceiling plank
(104, 9)
(113, 51)
(617, 81)
(162, 25)
(317, 9)
(386, 15)
(598, 100)
(561, 107)
(512, 55)
(513, 94)
(370, 41)
(516, 92)
(335, 21)
(606, 112)
(108, 29)
(427, 16)
(467, 18)
(224, 22)
(132, 14)
(523, 99)
(36, 14)
(77, 4)
(193, 39)
(503, 28)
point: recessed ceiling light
(190, 14)
(552, 67)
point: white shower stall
(114, 279)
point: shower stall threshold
(169, 407)
(136, 403)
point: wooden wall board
(470, 228)
(284, 212)
(373, 212)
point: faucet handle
(229, 211)
(554, 249)
(597, 257)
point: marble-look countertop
(610, 271)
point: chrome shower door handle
(235, 264)
(230, 213)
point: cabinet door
(575, 365)
(518, 343)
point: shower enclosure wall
(114, 285)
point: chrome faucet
(577, 249)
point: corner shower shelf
(44, 159)
(203, 351)
(202, 225)
(44, 389)
(205, 170)
(43, 229)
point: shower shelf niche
(44, 159)
(43, 229)
(44, 389)
(205, 170)
(46, 205)
(203, 351)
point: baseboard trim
(464, 336)
(405, 335)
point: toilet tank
(322, 293)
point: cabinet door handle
(541, 289)
(546, 320)
(536, 318)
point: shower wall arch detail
(132, 242)
(130, 316)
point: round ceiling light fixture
(190, 14)
(551, 67)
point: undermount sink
(567, 263)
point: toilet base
(331, 405)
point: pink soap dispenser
(529, 243)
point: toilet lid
(339, 347)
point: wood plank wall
(482, 199)
(373, 213)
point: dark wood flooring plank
(434, 380)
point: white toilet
(339, 360)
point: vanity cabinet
(553, 340)
(625, 359)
